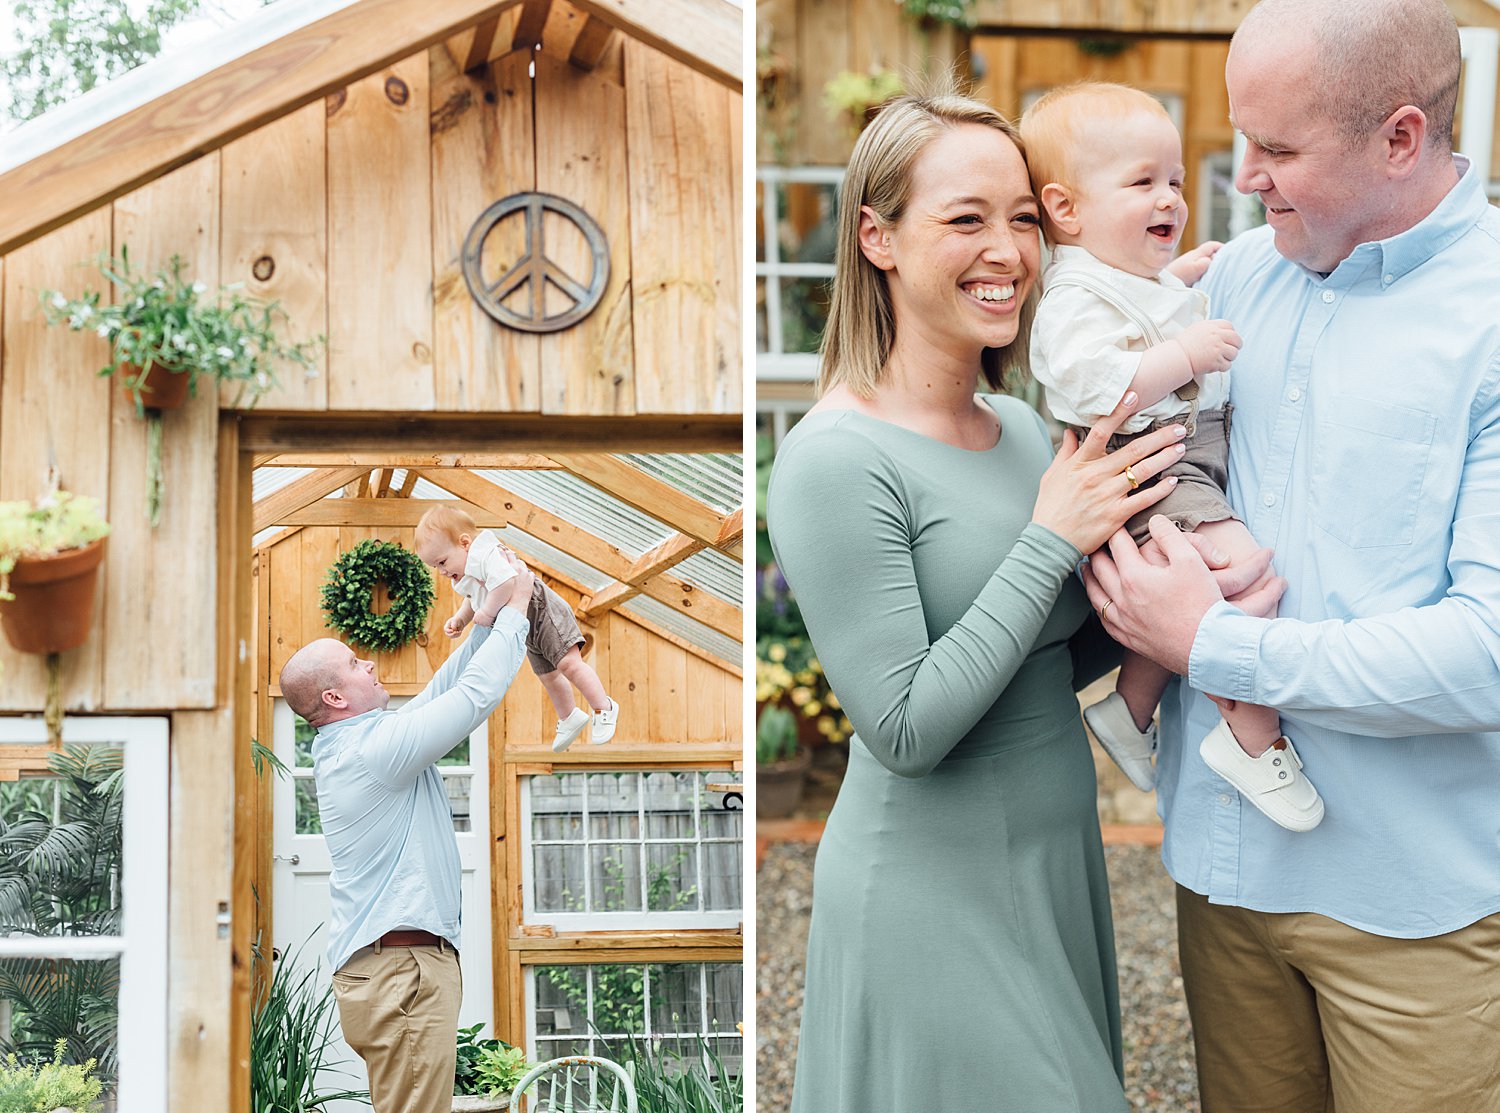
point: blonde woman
(960, 955)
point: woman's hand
(1088, 492)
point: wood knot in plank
(334, 101)
(396, 91)
(263, 268)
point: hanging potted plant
(857, 96)
(49, 561)
(165, 332)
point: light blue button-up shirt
(385, 815)
(1365, 449)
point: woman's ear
(875, 239)
(1061, 210)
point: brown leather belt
(412, 938)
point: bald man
(393, 933)
(1355, 967)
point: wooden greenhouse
(340, 157)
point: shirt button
(1268, 498)
(1389, 279)
(1328, 296)
(1223, 797)
(1293, 394)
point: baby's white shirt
(1085, 353)
(485, 569)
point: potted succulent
(166, 331)
(49, 561)
(486, 1072)
(781, 764)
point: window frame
(141, 945)
(775, 363)
(625, 921)
(714, 1039)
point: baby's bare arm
(492, 604)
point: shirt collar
(1395, 256)
(480, 548)
(1072, 257)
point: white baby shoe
(569, 729)
(1129, 748)
(604, 724)
(1274, 782)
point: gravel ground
(1159, 1075)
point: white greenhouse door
(137, 747)
(300, 869)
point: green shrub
(39, 1087)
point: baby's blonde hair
(1055, 129)
(443, 523)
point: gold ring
(1130, 477)
(1107, 604)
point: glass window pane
(302, 740)
(676, 999)
(309, 822)
(458, 786)
(619, 998)
(804, 312)
(762, 325)
(721, 877)
(562, 1000)
(557, 806)
(725, 986)
(75, 1000)
(670, 869)
(459, 755)
(559, 883)
(615, 877)
(806, 226)
(760, 221)
(561, 1049)
(63, 846)
(670, 799)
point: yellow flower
(825, 728)
(833, 700)
(806, 676)
(801, 695)
(777, 652)
(811, 708)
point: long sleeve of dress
(842, 536)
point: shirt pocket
(1369, 464)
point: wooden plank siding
(379, 243)
(35, 430)
(275, 236)
(581, 155)
(175, 668)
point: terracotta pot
(53, 606)
(778, 785)
(162, 390)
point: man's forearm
(1423, 670)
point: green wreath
(350, 588)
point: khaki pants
(1298, 1013)
(398, 1007)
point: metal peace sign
(534, 269)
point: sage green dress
(961, 955)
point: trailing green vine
(350, 588)
(958, 13)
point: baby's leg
(583, 677)
(1254, 727)
(559, 691)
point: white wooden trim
(142, 944)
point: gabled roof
(175, 109)
(619, 529)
